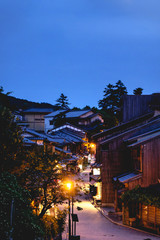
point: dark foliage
(60, 119)
(146, 196)
(10, 140)
(62, 102)
(14, 103)
(138, 91)
(112, 100)
(17, 219)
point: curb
(120, 224)
(125, 226)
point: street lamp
(72, 236)
(69, 188)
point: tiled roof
(27, 141)
(61, 150)
(38, 110)
(44, 136)
(69, 114)
(68, 126)
(96, 165)
(127, 177)
(69, 137)
(55, 113)
(69, 133)
(74, 114)
(145, 138)
(123, 126)
(144, 128)
(62, 137)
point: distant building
(73, 138)
(49, 119)
(79, 118)
(35, 117)
(31, 137)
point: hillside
(16, 103)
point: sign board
(75, 218)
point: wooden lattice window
(137, 158)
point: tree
(61, 218)
(63, 102)
(10, 136)
(4, 100)
(111, 103)
(54, 225)
(10, 140)
(38, 173)
(112, 97)
(16, 203)
(76, 109)
(108, 101)
(120, 90)
(41, 175)
(86, 108)
(59, 119)
(138, 91)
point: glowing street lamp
(92, 145)
(69, 185)
(69, 188)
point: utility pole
(11, 219)
(69, 219)
(72, 215)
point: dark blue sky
(77, 47)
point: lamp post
(69, 187)
(72, 235)
(72, 215)
(69, 220)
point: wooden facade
(150, 217)
(115, 158)
(151, 162)
(135, 106)
(35, 118)
(35, 121)
(119, 151)
(130, 156)
(144, 217)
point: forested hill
(16, 103)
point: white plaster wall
(47, 124)
(97, 118)
(87, 114)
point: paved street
(93, 225)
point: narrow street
(93, 225)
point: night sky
(77, 47)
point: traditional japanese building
(34, 117)
(128, 153)
(80, 118)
